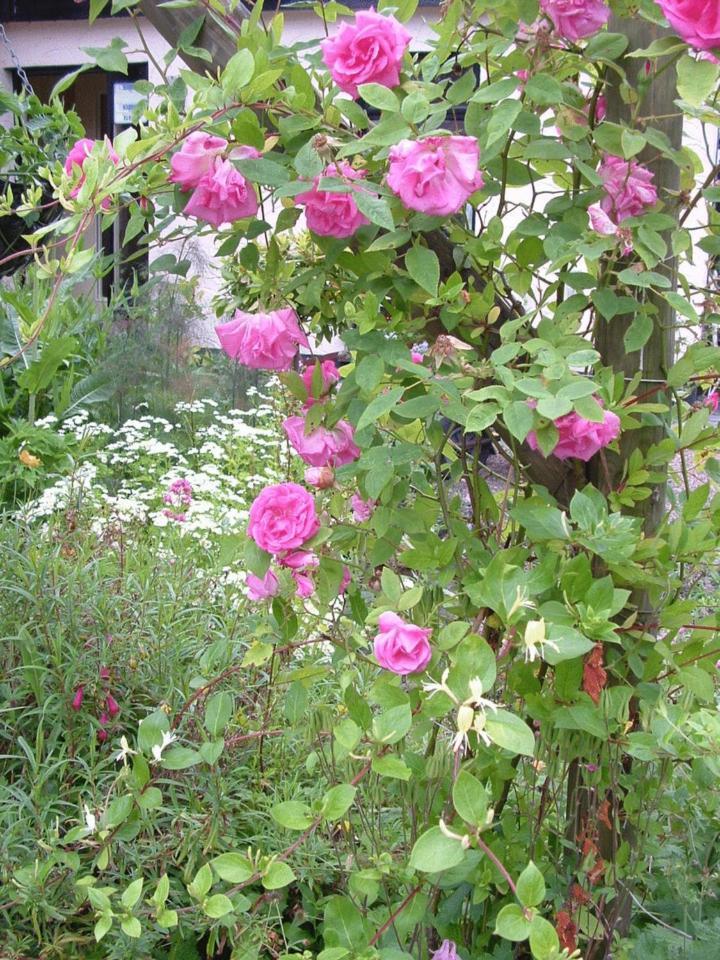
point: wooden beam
(216, 37)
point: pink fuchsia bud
(113, 707)
(104, 719)
(77, 700)
(104, 673)
(320, 477)
(102, 735)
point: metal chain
(22, 76)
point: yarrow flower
(369, 50)
(178, 496)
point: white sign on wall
(125, 99)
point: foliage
(277, 792)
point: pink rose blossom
(77, 700)
(696, 21)
(320, 477)
(112, 706)
(263, 341)
(523, 76)
(447, 951)
(579, 437)
(602, 224)
(576, 19)
(416, 356)
(629, 190)
(329, 213)
(76, 158)
(283, 517)
(402, 647)
(300, 560)
(712, 400)
(195, 159)
(435, 175)
(322, 447)
(329, 374)
(346, 581)
(370, 50)
(362, 509)
(304, 584)
(222, 195)
(261, 588)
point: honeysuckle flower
(535, 640)
(90, 819)
(464, 839)
(125, 751)
(447, 950)
(157, 749)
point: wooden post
(219, 42)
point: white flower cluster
(124, 484)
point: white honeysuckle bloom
(534, 640)
(157, 750)
(522, 601)
(442, 687)
(124, 752)
(90, 819)
(476, 696)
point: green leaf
(217, 906)
(39, 375)
(238, 72)
(530, 886)
(638, 333)
(696, 79)
(218, 710)
(102, 926)
(379, 407)
(393, 724)
(511, 924)
(112, 59)
(369, 372)
(544, 89)
(344, 926)
(337, 801)
(132, 893)
(518, 417)
(167, 918)
(510, 732)
(434, 852)
(130, 926)
(277, 875)
(201, 882)
(379, 96)
(232, 867)
(392, 767)
(502, 119)
(470, 798)
(423, 266)
(180, 758)
(544, 942)
(292, 814)
(375, 208)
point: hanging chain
(22, 76)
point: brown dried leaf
(594, 674)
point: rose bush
(470, 665)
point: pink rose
(222, 195)
(76, 158)
(322, 447)
(696, 21)
(328, 373)
(263, 341)
(576, 19)
(629, 190)
(261, 588)
(304, 584)
(435, 175)
(712, 400)
(195, 159)
(320, 477)
(402, 647)
(300, 560)
(362, 509)
(329, 213)
(346, 581)
(283, 517)
(370, 50)
(416, 356)
(579, 437)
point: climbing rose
(282, 517)
(263, 341)
(321, 477)
(304, 584)
(260, 588)
(696, 21)
(300, 560)
(329, 213)
(370, 50)
(435, 175)
(576, 19)
(447, 951)
(222, 195)
(402, 647)
(579, 437)
(629, 190)
(712, 400)
(362, 509)
(329, 374)
(322, 447)
(195, 159)
(346, 580)
(79, 152)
